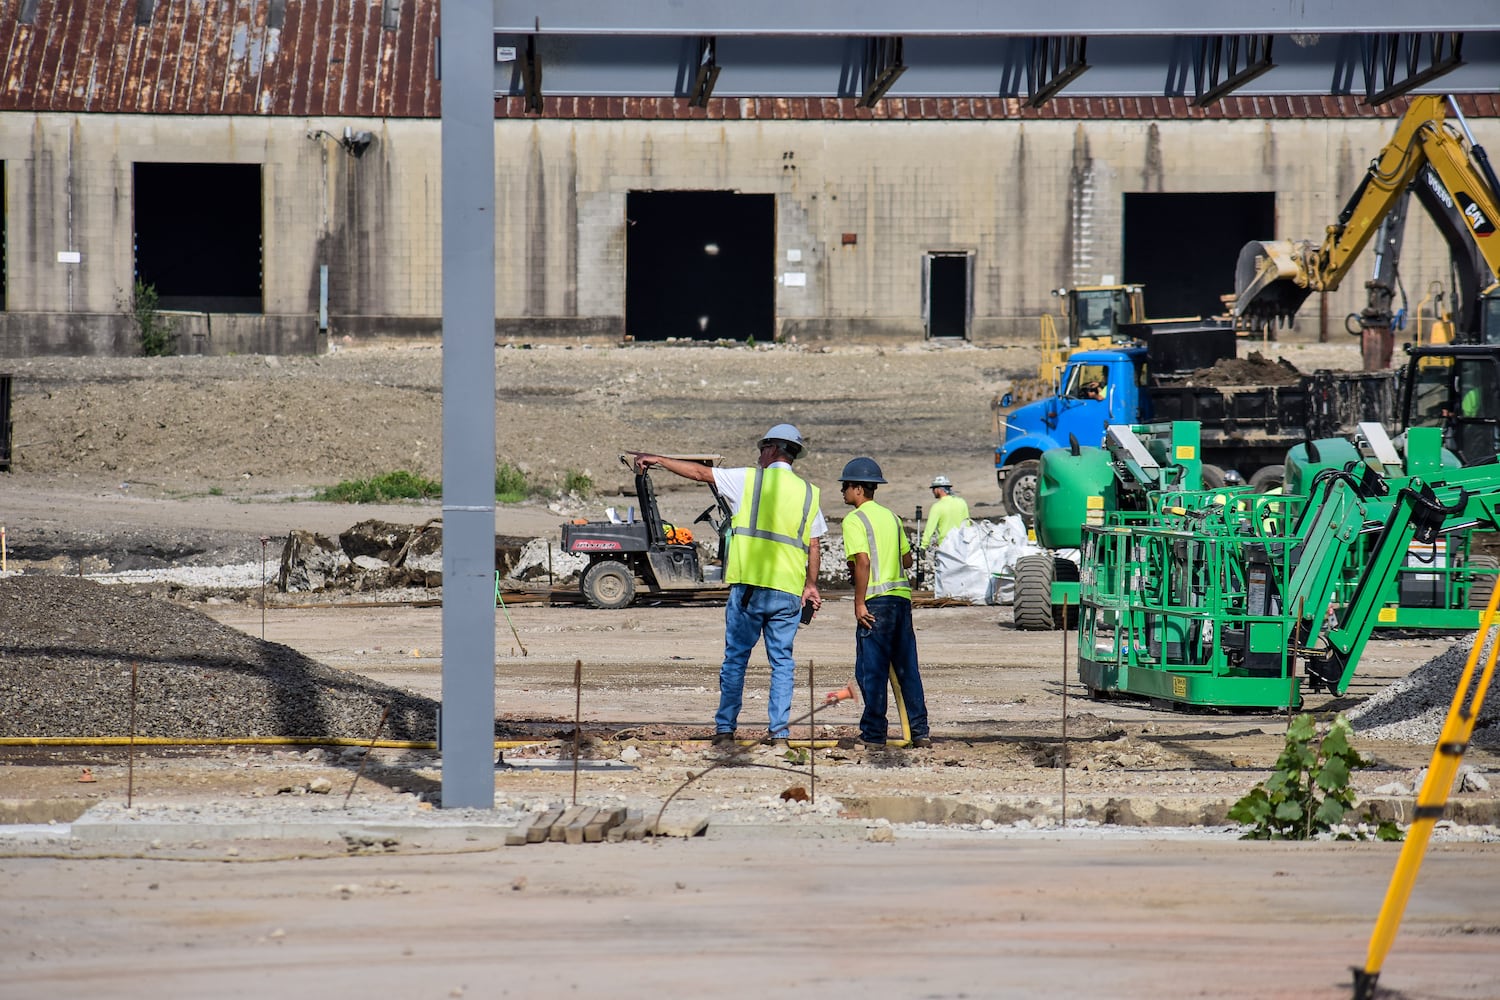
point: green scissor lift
(1229, 598)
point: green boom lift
(1229, 598)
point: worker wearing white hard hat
(775, 537)
(949, 510)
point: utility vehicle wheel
(1021, 483)
(1032, 606)
(1483, 586)
(1213, 476)
(1269, 478)
(608, 585)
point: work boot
(921, 742)
(723, 739)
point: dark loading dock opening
(1183, 247)
(198, 235)
(700, 265)
(948, 292)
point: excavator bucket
(1270, 283)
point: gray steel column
(468, 149)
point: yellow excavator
(1431, 156)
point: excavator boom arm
(1273, 279)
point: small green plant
(1308, 794)
(216, 491)
(398, 485)
(511, 485)
(579, 482)
(157, 332)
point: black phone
(807, 611)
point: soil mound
(67, 647)
(1254, 369)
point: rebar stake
(1064, 759)
(378, 727)
(812, 736)
(130, 760)
(577, 720)
(263, 540)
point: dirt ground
(135, 463)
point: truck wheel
(1213, 476)
(608, 585)
(1032, 606)
(1267, 479)
(1483, 585)
(1019, 492)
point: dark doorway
(198, 235)
(1183, 247)
(700, 265)
(947, 292)
(4, 283)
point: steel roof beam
(988, 17)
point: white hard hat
(789, 437)
(942, 481)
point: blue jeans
(751, 613)
(889, 646)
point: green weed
(1308, 794)
(398, 485)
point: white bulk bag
(974, 562)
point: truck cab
(1096, 388)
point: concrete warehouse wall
(1039, 204)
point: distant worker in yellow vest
(885, 644)
(948, 511)
(772, 569)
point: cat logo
(1475, 216)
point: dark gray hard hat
(861, 470)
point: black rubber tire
(1213, 476)
(608, 585)
(1031, 608)
(1483, 586)
(1065, 571)
(1268, 478)
(1019, 493)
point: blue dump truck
(1251, 410)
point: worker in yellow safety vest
(948, 511)
(775, 534)
(885, 643)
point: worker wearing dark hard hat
(772, 569)
(948, 511)
(885, 644)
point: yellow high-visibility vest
(771, 534)
(885, 541)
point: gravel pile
(1412, 709)
(67, 646)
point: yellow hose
(231, 741)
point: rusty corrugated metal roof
(338, 57)
(212, 57)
